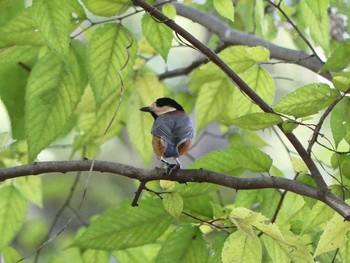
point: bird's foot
(172, 168)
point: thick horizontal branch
(233, 37)
(183, 176)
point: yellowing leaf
(225, 8)
(238, 247)
(334, 235)
(246, 219)
(298, 165)
(169, 10)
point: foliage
(78, 71)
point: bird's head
(162, 106)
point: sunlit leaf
(333, 236)
(107, 7)
(306, 100)
(158, 35)
(317, 21)
(111, 54)
(53, 92)
(339, 58)
(224, 8)
(30, 187)
(241, 248)
(21, 30)
(12, 214)
(169, 10)
(340, 120)
(262, 83)
(278, 252)
(53, 23)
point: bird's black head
(168, 102)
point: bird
(172, 131)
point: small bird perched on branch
(172, 132)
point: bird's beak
(146, 109)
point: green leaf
(141, 254)
(31, 189)
(219, 161)
(317, 21)
(52, 19)
(259, 12)
(320, 213)
(15, 54)
(340, 120)
(158, 35)
(173, 204)
(212, 101)
(288, 126)
(92, 256)
(111, 230)
(185, 244)
(107, 7)
(13, 81)
(241, 58)
(21, 30)
(139, 124)
(12, 214)
(341, 81)
(299, 165)
(257, 121)
(333, 236)
(240, 248)
(251, 159)
(262, 83)
(10, 255)
(277, 251)
(111, 52)
(225, 8)
(9, 9)
(92, 126)
(169, 10)
(339, 58)
(306, 100)
(53, 92)
(246, 219)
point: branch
(233, 37)
(244, 87)
(183, 176)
